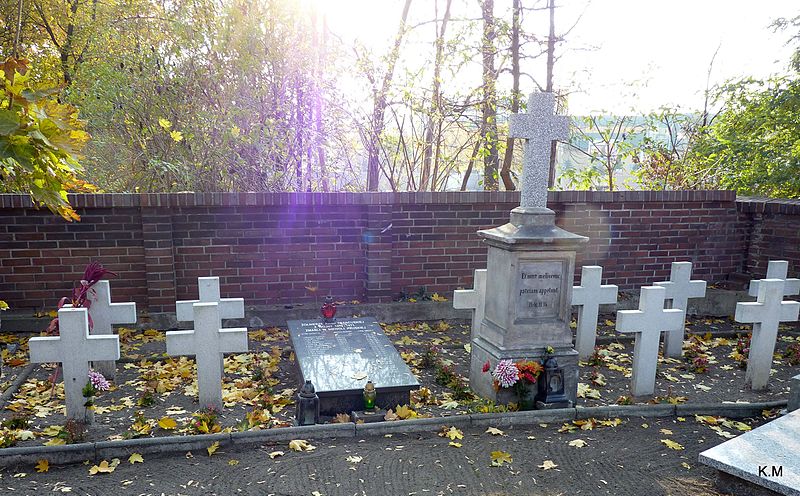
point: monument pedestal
(530, 268)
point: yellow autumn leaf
(405, 412)
(438, 297)
(500, 457)
(577, 443)
(177, 136)
(454, 434)
(233, 463)
(494, 431)
(235, 131)
(671, 444)
(213, 448)
(354, 459)
(686, 465)
(103, 467)
(135, 458)
(276, 454)
(167, 423)
(301, 445)
(666, 432)
(164, 123)
(547, 465)
(56, 441)
(454, 444)
(42, 466)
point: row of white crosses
(75, 348)
(662, 309)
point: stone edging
(14, 387)
(105, 450)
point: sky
(622, 56)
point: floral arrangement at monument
(94, 385)
(93, 273)
(516, 376)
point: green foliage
(40, 142)
(753, 145)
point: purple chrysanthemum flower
(98, 381)
(506, 373)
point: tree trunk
(471, 162)
(505, 171)
(436, 104)
(489, 104)
(320, 131)
(379, 105)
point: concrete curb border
(105, 450)
(12, 389)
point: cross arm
(181, 343)
(184, 311)
(45, 349)
(465, 298)
(789, 311)
(123, 313)
(231, 308)
(233, 340)
(102, 347)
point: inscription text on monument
(539, 289)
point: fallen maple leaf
(500, 457)
(276, 454)
(42, 466)
(341, 418)
(454, 434)
(390, 415)
(405, 412)
(233, 462)
(494, 431)
(666, 432)
(454, 444)
(104, 467)
(213, 448)
(354, 459)
(578, 443)
(671, 444)
(547, 465)
(301, 445)
(167, 423)
(135, 458)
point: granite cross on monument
(765, 315)
(74, 348)
(540, 126)
(777, 269)
(474, 299)
(207, 342)
(588, 297)
(648, 322)
(679, 289)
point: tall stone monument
(530, 267)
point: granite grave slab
(340, 356)
(766, 456)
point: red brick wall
(774, 233)
(270, 247)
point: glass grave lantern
(369, 396)
(551, 386)
(307, 405)
(328, 309)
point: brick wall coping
(106, 200)
(759, 204)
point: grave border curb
(95, 451)
(12, 389)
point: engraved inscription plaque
(538, 290)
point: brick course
(275, 248)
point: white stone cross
(765, 314)
(104, 314)
(207, 342)
(679, 289)
(474, 299)
(588, 297)
(208, 290)
(777, 269)
(648, 323)
(74, 348)
(540, 126)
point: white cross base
(765, 314)
(74, 348)
(588, 297)
(474, 299)
(679, 289)
(648, 323)
(777, 269)
(207, 342)
(540, 126)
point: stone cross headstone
(207, 342)
(765, 314)
(104, 314)
(474, 299)
(540, 126)
(588, 297)
(679, 289)
(777, 269)
(208, 292)
(648, 323)
(74, 348)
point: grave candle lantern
(307, 405)
(328, 309)
(551, 386)
(369, 396)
